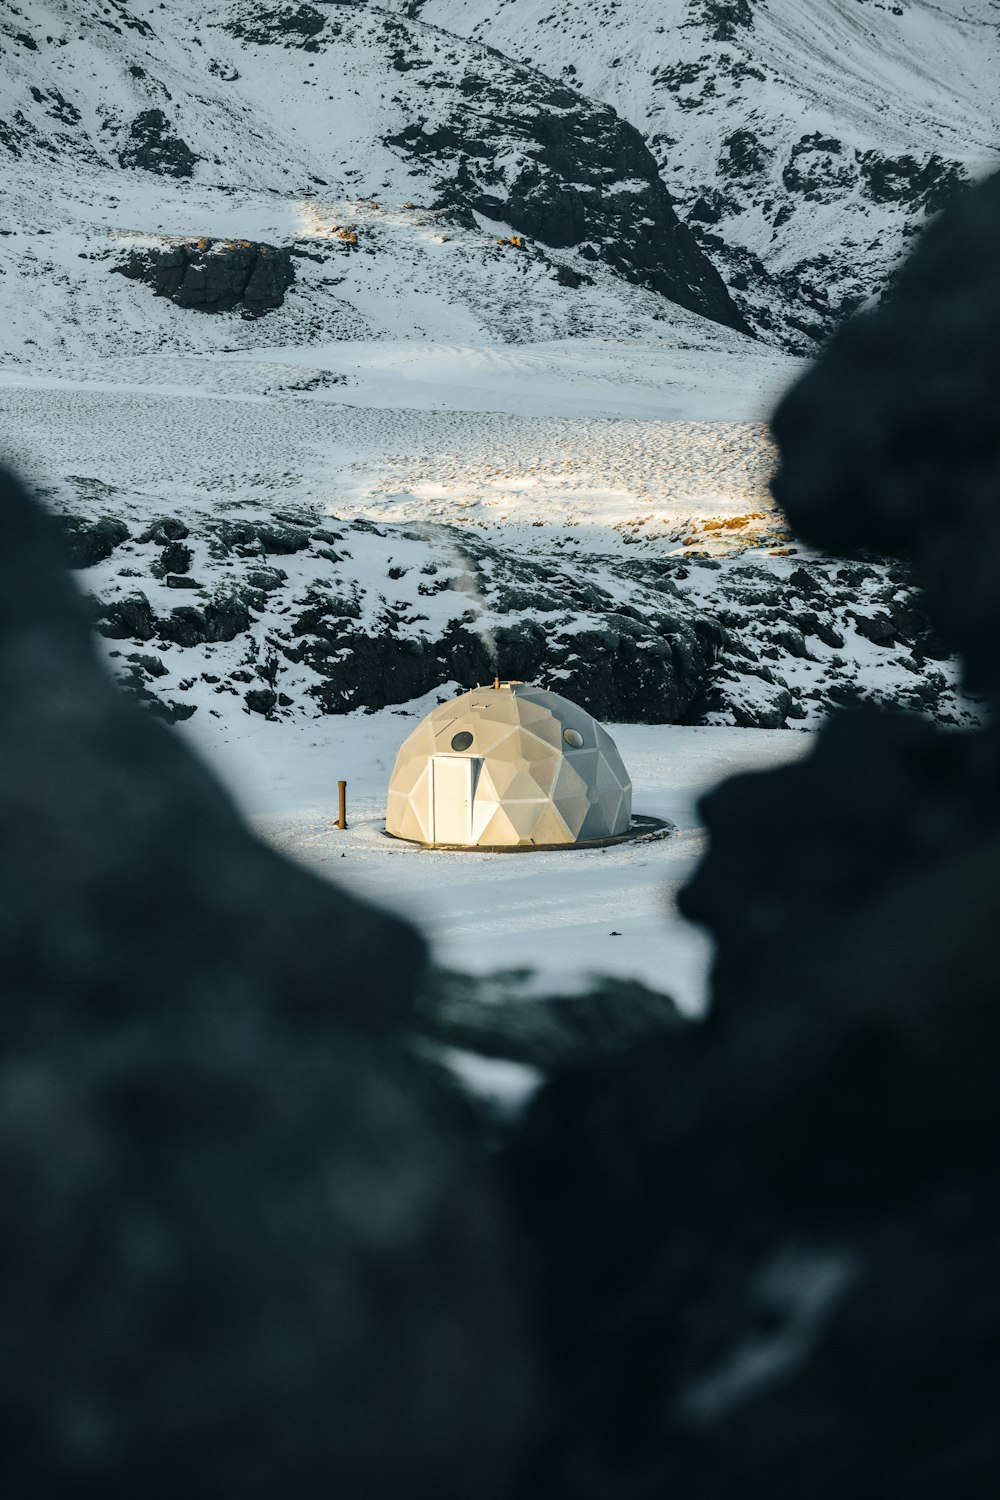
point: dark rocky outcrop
(927, 185)
(247, 1243)
(292, 25)
(496, 1016)
(743, 154)
(761, 640)
(89, 541)
(726, 18)
(130, 617)
(153, 146)
(647, 670)
(215, 275)
(818, 167)
(586, 178)
(165, 529)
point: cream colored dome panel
(508, 765)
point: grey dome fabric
(508, 765)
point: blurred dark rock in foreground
(882, 795)
(892, 439)
(766, 1253)
(248, 1246)
(128, 879)
(765, 1250)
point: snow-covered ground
(566, 916)
(530, 434)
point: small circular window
(461, 741)
(573, 738)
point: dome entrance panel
(454, 778)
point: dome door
(454, 781)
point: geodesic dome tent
(508, 766)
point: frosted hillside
(399, 161)
(803, 140)
(354, 352)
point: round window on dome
(461, 741)
(573, 738)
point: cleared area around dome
(508, 766)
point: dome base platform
(643, 829)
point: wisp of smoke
(465, 580)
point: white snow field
(567, 916)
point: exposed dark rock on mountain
(514, 144)
(788, 105)
(246, 1246)
(293, 24)
(927, 185)
(671, 147)
(215, 275)
(726, 18)
(154, 147)
(585, 177)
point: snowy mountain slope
(469, 414)
(803, 140)
(298, 105)
(412, 276)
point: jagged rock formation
(796, 166)
(246, 1246)
(571, 174)
(296, 612)
(215, 275)
(153, 147)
